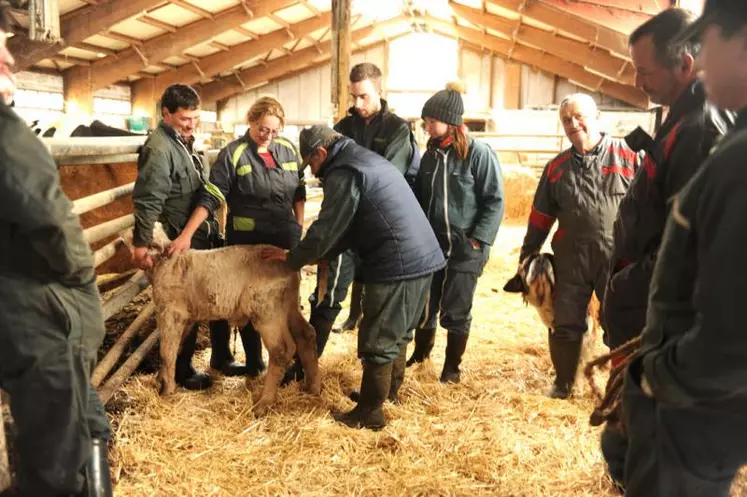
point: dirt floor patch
(493, 434)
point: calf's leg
(173, 327)
(279, 343)
(305, 337)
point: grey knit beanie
(446, 105)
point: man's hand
(274, 254)
(475, 244)
(181, 244)
(646, 387)
(141, 258)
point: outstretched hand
(181, 244)
(274, 254)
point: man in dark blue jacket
(368, 207)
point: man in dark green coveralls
(51, 326)
(368, 207)
(170, 179)
(685, 395)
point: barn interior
(87, 67)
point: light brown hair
(266, 106)
(461, 145)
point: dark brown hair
(366, 70)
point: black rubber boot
(322, 322)
(186, 375)
(221, 358)
(375, 387)
(425, 338)
(253, 350)
(398, 377)
(356, 303)
(456, 344)
(98, 475)
(565, 355)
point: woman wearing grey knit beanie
(460, 188)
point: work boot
(565, 355)
(425, 338)
(186, 375)
(398, 377)
(456, 343)
(98, 477)
(356, 302)
(375, 385)
(253, 350)
(321, 321)
(221, 358)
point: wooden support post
(4, 464)
(124, 294)
(106, 392)
(114, 354)
(341, 44)
(512, 86)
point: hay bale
(519, 184)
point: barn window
(111, 106)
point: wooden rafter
(76, 27)
(219, 46)
(227, 87)
(221, 62)
(598, 60)
(123, 38)
(156, 23)
(246, 32)
(108, 70)
(192, 8)
(95, 49)
(596, 34)
(311, 8)
(545, 61)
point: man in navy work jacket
(368, 207)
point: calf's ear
(514, 285)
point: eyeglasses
(264, 131)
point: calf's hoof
(196, 381)
(261, 408)
(167, 389)
(313, 386)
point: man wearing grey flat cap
(368, 207)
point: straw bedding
(493, 434)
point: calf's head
(534, 280)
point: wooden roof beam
(76, 27)
(596, 34)
(226, 87)
(109, 70)
(246, 32)
(224, 61)
(192, 8)
(612, 67)
(95, 49)
(544, 61)
(156, 23)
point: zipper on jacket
(445, 156)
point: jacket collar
(382, 112)
(331, 154)
(693, 97)
(272, 147)
(171, 132)
(601, 146)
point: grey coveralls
(583, 194)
